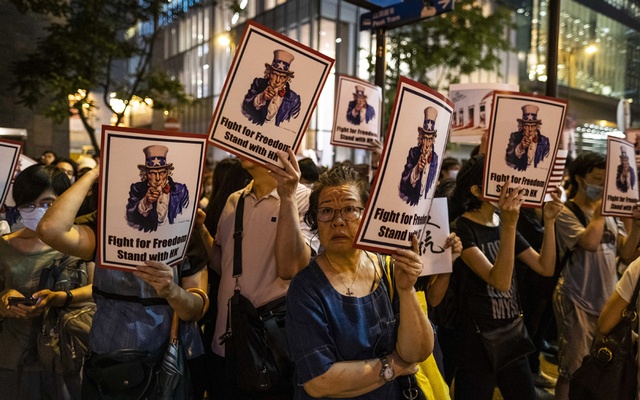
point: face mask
(593, 192)
(31, 219)
(453, 174)
(495, 205)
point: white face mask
(453, 173)
(32, 219)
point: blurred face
(595, 177)
(47, 158)
(338, 234)
(67, 168)
(277, 79)
(157, 177)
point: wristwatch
(387, 373)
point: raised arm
(57, 228)
(545, 262)
(499, 273)
(292, 252)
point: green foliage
(439, 50)
(89, 48)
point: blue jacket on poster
(178, 199)
(290, 107)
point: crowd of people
(356, 324)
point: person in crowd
(228, 177)
(614, 307)
(345, 337)
(449, 169)
(310, 172)
(589, 277)
(157, 198)
(134, 309)
(271, 99)
(276, 245)
(23, 258)
(48, 157)
(490, 244)
(68, 166)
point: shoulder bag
(610, 371)
(256, 351)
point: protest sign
(357, 113)
(267, 99)
(409, 167)
(521, 149)
(9, 158)
(149, 187)
(472, 109)
(557, 175)
(621, 180)
(435, 258)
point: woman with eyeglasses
(23, 257)
(345, 336)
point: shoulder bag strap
(237, 238)
(631, 308)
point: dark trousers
(226, 388)
(515, 383)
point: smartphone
(27, 301)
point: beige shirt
(259, 281)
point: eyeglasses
(348, 213)
(28, 208)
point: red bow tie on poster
(166, 189)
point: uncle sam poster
(409, 168)
(269, 95)
(524, 137)
(149, 187)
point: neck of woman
(344, 261)
(485, 215)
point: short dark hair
(583, 164)
(69, 161)
(469, 175)
(37, 179)
(336, 176)
(450, 162)
(309, 169)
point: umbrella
(172, 369)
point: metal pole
(552, 48)
(381, 55)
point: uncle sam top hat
(530, 114)
(281, 62)
(359, 92)
(623, 154)
(429, 125)
(155, 157)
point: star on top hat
(359, 92)
(623, 154)
(155, 157)
(429, 125)
(530, 114)
(281, 62)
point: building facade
(598, 61)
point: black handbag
(610, 371)
(506, 344)
(256, 351)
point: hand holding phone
(27, 301)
